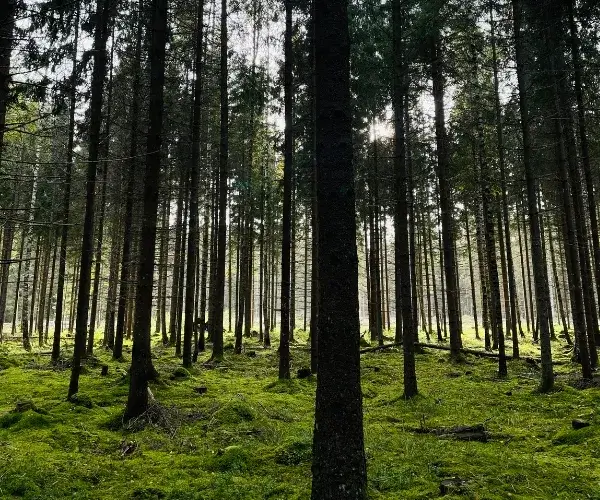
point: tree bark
(338, 385)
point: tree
(403, 274)
(338, 385)
(547, 380)
(284, 342)
(193, 202)
(141, 362)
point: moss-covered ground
(248, 436)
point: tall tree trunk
(284, 338)
(338, 385)
(471, 275)
(64, 230)
(51, 286)
(194, 185)
(314, 283)
(141, 362)
(512, 287)
(104, 12)
(27, 237)
(443, 165)
(585, 160)
(217, 325)
(8, 8)
(403, 297)
(523, 278)
(126, 261)
(547, 381)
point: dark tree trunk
(403, 297)
(104, 12)
(471, 275)
(141, 362)
(193, 202)
(314, 283)
(587, 170)
(512, 287)
(126, 261)
(547, 381)
(523, 277)
(338, 385)
(443, 165)
(219, 296)
(284, 338)
(8, 8)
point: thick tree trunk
(404, 303)
(445, 192)
(193, 202)
(141, 362)
(217, 324)
(338, 385)
(547, 381)
(284, 337)
(104, 13)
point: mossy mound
(235, 412)
(180, 373)
(29, 419)
(231, 459)
(294, 453)
(82, 399)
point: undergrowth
(233, 431)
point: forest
(332, 249)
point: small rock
(104, 371)
(201, 389)
(303, 373)
(579, 424)
(453, 485)
(23, 406)
(128, 447)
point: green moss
(294, 453)
(81, 399)
(231, 459)
(575, 437)
(263, 429)
(180, 373)
(234, 413)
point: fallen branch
(474, 352)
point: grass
(249, 436)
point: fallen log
(461, 433)
(474, 352)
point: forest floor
(249, 436)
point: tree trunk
(547, 381)
(284, 337)
(404, 304)
(338, 385)
(217, 325)
(64, 230)
(141, 362)
(193, 202)
(104, 13)
(443, 165)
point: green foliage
(294, 453)
(235, 412)
(249, 436)
(180, 373)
